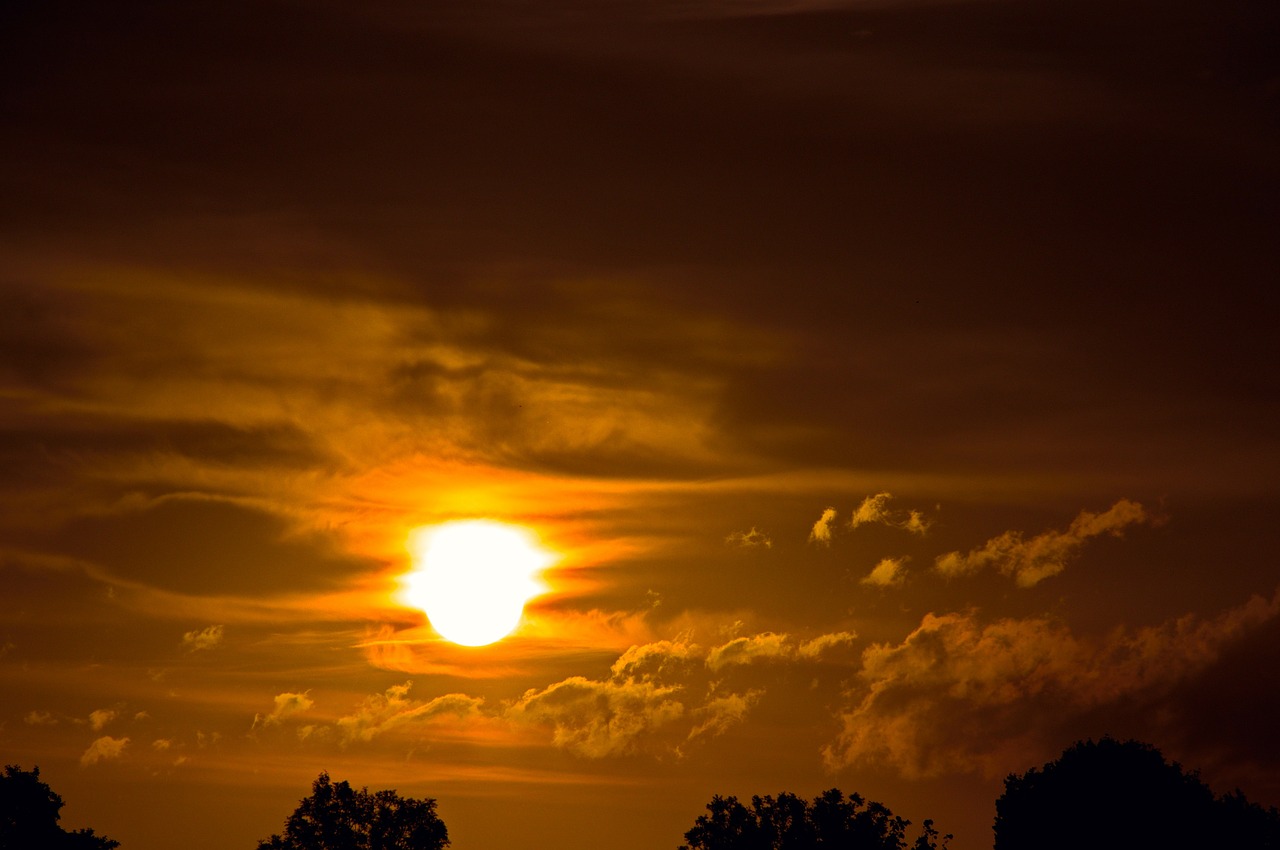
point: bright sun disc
(472, 578)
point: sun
(472, 578)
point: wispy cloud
(1030, 561)
(753, 539)
(103, 749)
(875, 509)
(206, 638)
(821, 532)
(746, 650)
(383, 712)
(99, 719)
(286, 705)
(890, 572)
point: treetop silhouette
(338, 817)
(788, 822)
(1111, 794)
(29, 815)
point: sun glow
(472, 578)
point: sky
(892, 387)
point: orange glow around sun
(472, 578)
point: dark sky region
(893, 383)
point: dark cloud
(206, 546)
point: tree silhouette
(1110, 794)
(788, 822)
(337, 817)
(29, 814)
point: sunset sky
(891, 385)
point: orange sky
(894, 382)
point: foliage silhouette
(29, 814)
(1110, 794)
(788, 822)
(337, 817)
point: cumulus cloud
(199, 639)
(40, 718)
(664, 696)
(821, 532)
(664, 660)
(161, 744)
(100, 718)
(753, 539)
(286, 705)
(600, 718)
(890, 572)
(102, 749)
(960, 695)
(383, 712)
(1028, 562)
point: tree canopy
(338, 817)
(1111, 794)
(29, 815)
(788, 822)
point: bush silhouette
(1111, 794)
(788, 822)
(29, 814)
(337, 817)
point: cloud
(915, 523)
(752, 539)
(100, 718)
(961, 695)
(890, 572)
(161, 744)
(720, 714)
(103, 748)
(286, 705)
(823, 644)
(600, 718)
(875, 509)
(40, 718)
(872, 509)
(663, 660)
(821, 532)
(663, 696)
(383, 712)
(745, 650)
(1028, 562)
(199, 639)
